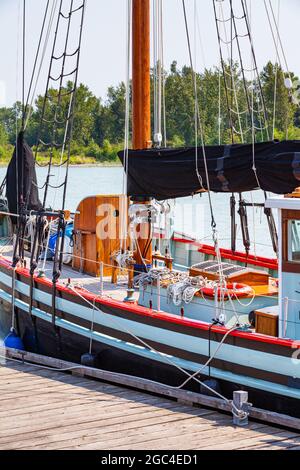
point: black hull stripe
(166, 349)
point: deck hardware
(130, 297)
(240, 408)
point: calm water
(191, 215)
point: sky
(103, 58)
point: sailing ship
(221, 321)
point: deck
(44, 409)
(90, 283)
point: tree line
(98, 131)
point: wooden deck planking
(43, 409)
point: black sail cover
(171, 172)
(21, 181)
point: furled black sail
(171, 173)
(21, 181)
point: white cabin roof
(282, 202)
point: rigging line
(73, 100)
(200, 37)
(220, 109)
(16, 107)
(276, 75)
(54, 121)
(127, 96)
(144, 343)
(23, 66)
(278, 59)
(213, 222)
(227, 20)
(163, 80)
(158, 71)
(46, 41)
(154, 6)
(279, 38)
(234, 38)
(126, 126)
(71, 12)
(55, 79)
(48, 79)
(160, 74)
(245, 9)
(224, 75)
(58, 102)
(211, 357)
(233, 84)
(278, 41)
(197, 113)
(196, 108)
(49, 144)
(65, 54)
(241, 113)
(275, 40)
(72, 105)
(254, 73)
(37, 53)
(253, 130)
(241, 61)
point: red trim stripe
(168, 317)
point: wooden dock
(44, 409)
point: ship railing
(125, 280)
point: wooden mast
(141, 110)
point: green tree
(99, 124)
(3, 135)
(285, 109)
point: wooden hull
(247, 360)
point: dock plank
(44, 409)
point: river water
(191, 215)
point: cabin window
(294, 241)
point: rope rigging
(252, 121)
(68, 128)
(37, 69)
(59, 127)
(158, 71)
(61, 103)
(199, 124)
(231, 91)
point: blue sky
(103, 52)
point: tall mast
(141, 112)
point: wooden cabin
(289, 263)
